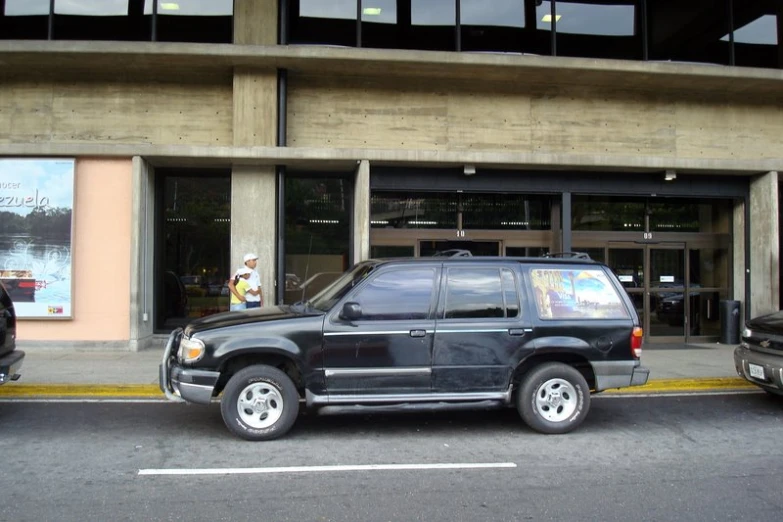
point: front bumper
(184, 384)
(771, 364)
(10, 364)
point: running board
(406, 398)
(409, 407)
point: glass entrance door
(656, 280)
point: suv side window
(575, 293)
(404, 294)
(480, 293)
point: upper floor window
(756, 38)
(207, 21)
(103, 20)
(319, 22)
(25, 20)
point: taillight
(636, 342)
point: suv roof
(490, 259)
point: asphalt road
(717, 457)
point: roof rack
(572, 255)
(455, 252)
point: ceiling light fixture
(372, 11)
(547, 19)
(169, 6)
(670, 175)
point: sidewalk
(673, 368)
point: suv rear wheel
(260, 403)
(553, 398)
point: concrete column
(361, 213)
(738, 255)
(255, 22)
(764, 244)
(142, 241)
(253, 215)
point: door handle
(517, 331)
(418, 333)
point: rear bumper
(771, 365)
(10, 365)
(619, 374)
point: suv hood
(254, 315)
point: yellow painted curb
(13, 390)
(689, 385)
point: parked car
(759, 357)
(10, 358)
(538, 334)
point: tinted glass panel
(193, 248)
(607, 213)
(319, 22)
(100, 20)
(756, 32)
(388, 251)
(474, 293)
(208, 21)
(25, 20)
(688, 31)
(575, 294)
(413, 210)
(379, 25)
(534, 251)
(496, 28)
(317, 234)
(397, 295)
(689, 215)
(433, 25)
(510, 295)
(599, 30)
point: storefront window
(192, 246)
(317, 233)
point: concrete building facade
(316, 148)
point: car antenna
(307, 268)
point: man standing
(254, 297)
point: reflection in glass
(320, 22)
(195, 7)
(194, 247)
(689, 31)
(497, 29)
(380, 299)
(531, 251)
(25, 20)
(474, 293)
(608, 213)
(317, 234)
(26, 7)
(102, 8)
(428, 248)
(667, 268)
(668, 317)
(605, 30)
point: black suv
(540, 334)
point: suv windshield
(329, 296)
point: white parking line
(315, 469)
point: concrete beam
(345, 159)
(253, 217)
(764, 245)
(361, 213)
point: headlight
(190, 350)
(747, 333)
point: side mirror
(351, 311)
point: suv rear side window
(480, 293)
(575, 293)
(397, 295)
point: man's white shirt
(255, 283)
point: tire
(259, 403)
(553, 398)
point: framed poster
(36, 217)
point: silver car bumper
(767, 368)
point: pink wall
(100, 258)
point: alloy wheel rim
(260, 405)
(556, 400)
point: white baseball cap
(244, 271)
(249, 257)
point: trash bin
(729, 322)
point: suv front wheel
(260, 403)
(553, 398)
